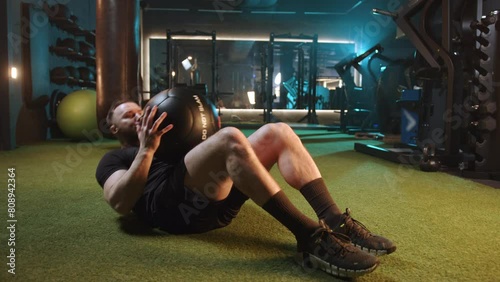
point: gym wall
(25, 100)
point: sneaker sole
(311, 262)
(376, 252)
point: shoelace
(356, 227)
(341, 240)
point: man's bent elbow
(121, 209)
(118, 206)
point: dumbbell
(486, 108)
(429, 161)
(486, 124)
(475, 25)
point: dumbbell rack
(71, 57)
(468, 73)
(484, 133)
(73, 51)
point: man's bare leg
(276, 143)
(229, 156)
(222, 157)
(271, 144)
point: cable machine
(347, 94)
(170, 80)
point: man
(206, 189)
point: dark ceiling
(339, 7)
(247, 18)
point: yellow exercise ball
(77, 114)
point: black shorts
(180, 210)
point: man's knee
(230, 134)
(283, 129)
(233, 140)
(275, 133)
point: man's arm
(124, 187)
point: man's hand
(147, 130)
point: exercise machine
(172, 60)
(302, 98)
(392, 77)
(350, 94)
(458, 91)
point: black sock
(317, 195)
(280, 207)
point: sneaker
(333, 253)
(361, 237)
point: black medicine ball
(194, 118)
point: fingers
(145, 113)
(159, 121)
(166, 129)
(149, 114)
(152, 125)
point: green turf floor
(446, 228)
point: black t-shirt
(119, 159)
